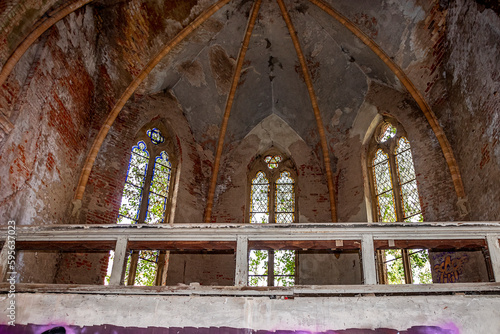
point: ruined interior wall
(233, 190)
(458, 267)
(447, 314)
(48, 97)
(206, 269)
(17, 18)
(105, 186)
(328, 268)
(472, 121)
(37, 266)
(42, 156)
(437, 195)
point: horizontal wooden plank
(431, 244)
(182, 245)
(304, 244)
(84, 245)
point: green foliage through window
(419, 263)
(283, 271)
(259, 199)
(133, 189)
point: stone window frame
(154, 150)
(258, 164)
(388, 147)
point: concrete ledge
(290, 292)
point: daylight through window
(396, 199)
(272, 191)
(146, 193)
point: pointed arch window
(272, 199)
(146, 196)
(272, 190)
(396, 199)
(394, 183)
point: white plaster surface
(465, 314)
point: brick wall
(472, 122)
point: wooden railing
(367, 237)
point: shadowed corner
(56, 330)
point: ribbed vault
(238, 62)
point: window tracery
(395, 199)
(393, 178)
(147, 191)
(272, 192)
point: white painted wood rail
(240, 237)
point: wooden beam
(4, 260)
(399, 232)
(117, 272)
(317, 113)
(431, 244)
(494, 249)
(227, 112)
(132, 271)
(417, 96)
(368, 256)
(304, 290)
(89, 162)
(303, 244)
(184, 245)
(241, 274)
(72, 246)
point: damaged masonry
(249, 165)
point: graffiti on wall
(449, 270)
(110, 329)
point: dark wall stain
(222, 68)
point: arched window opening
(395, 199)
(394, 183)
(147, 192)
(272, 190)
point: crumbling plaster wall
(233, 188)
(472, 119)
(104, 190)
(437, 194)
(17, 18)
(49, 96)
(465, 314)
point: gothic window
(393, 177)
(147, 192)
(272, 190)
(395, 199)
